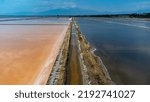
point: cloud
(141, 5)
(126, 8)
(35, 6)
(62, 5)
(14, 6)
(57, 4)
(47, 5)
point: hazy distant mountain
(69, 11)
(74, 11)
(65, 11)
(143, 11)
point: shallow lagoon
(123, 45)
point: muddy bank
(74, 76)
(93, 70)
(58, 74)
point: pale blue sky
(66, 6)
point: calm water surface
(33, 20)
(123, 45)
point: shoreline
(49, 62)
(93, 58)
(58, 73)
(25, 51)
(101, 62)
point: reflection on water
(123, 45)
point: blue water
(123, 45)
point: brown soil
(74, 76)
(95, 71)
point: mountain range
(76, 11)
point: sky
(55, 7)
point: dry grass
(95, 71)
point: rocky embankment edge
(93, 70)
(58, 74)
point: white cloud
(10, 6)
(141, 5)
(47, 5)
(127, 8)
(14, 6)
(57, 4)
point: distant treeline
(144, 15)
(134, 15)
